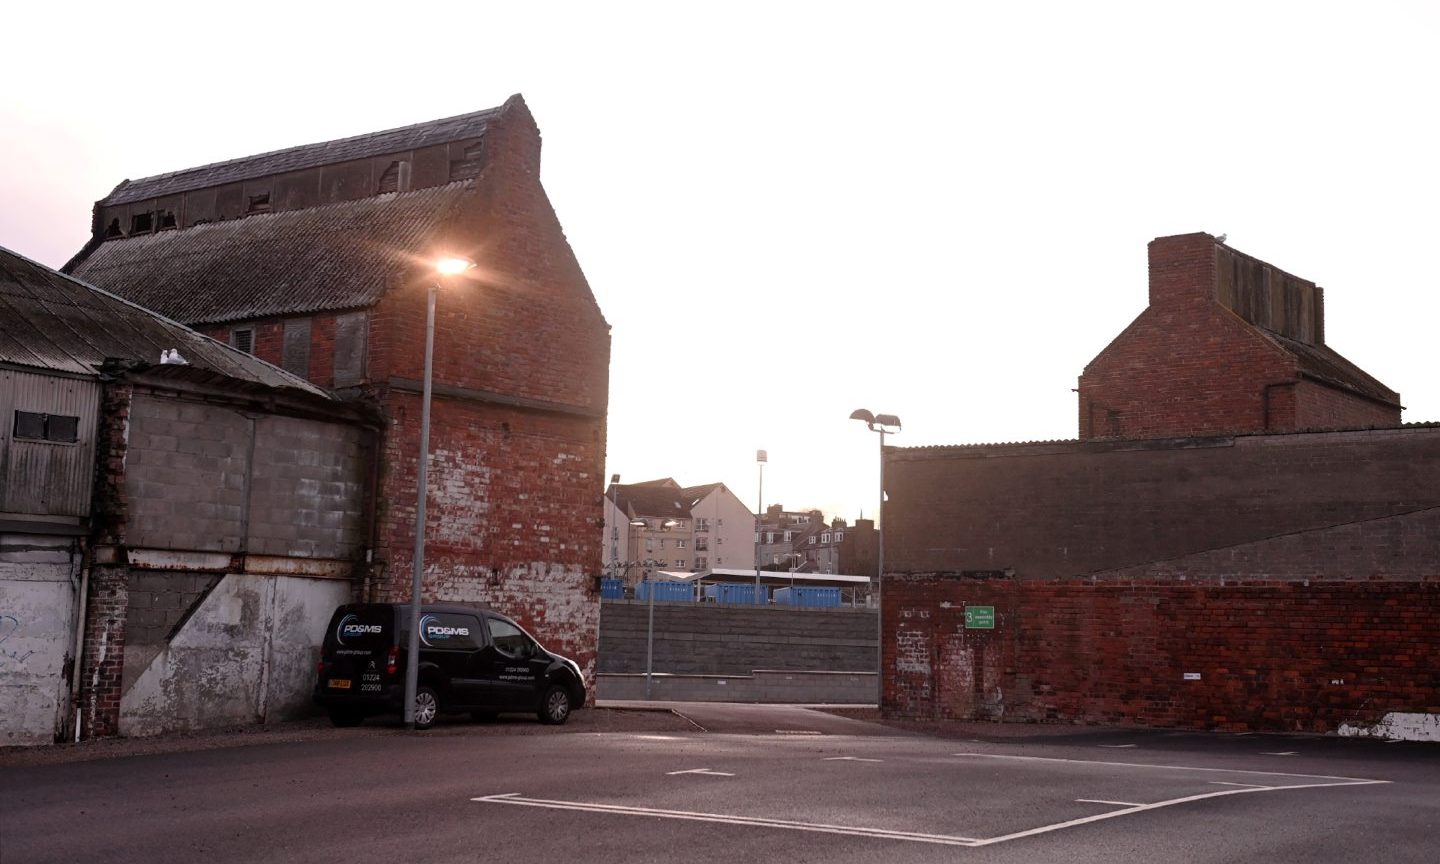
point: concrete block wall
(710, 639)
(39, 581)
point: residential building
(660, 525)
(776, 535)
(836, 547)
(319, 259)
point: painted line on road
(1118, 746)
(850, 759)
(797, 732)
(1354, 781)
(706, 771)
(1103, 801)
(1246, 785)
(516, 798)
(1282, 753)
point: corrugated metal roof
(1325, 364)
(405, 138)
(332, 257)
(52, 321)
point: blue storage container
(612, 589)
(672, 592)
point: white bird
(1221, 238)
(172, 357)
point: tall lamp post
(650, 627)
(443, 268)
(760, 459)
(881, 423)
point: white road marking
(1103, 801)
(1118, 746)
(850, 759)
(658, 737)
(752, 821)
(705, 771)
(1283, 753)
(1243, 785)
(797, 732)
(1354, 781)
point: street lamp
(760, 459)
(449, 266)
(881, 423)
(650, 626)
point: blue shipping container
(681, 592)
(612, 589)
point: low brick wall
(762, 685)
(1230, 654)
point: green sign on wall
(979, 617)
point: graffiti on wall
(8, 625)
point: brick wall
(1200, 361)
(1295, 574)
(1269, 655)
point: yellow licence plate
(339, 683)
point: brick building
(1244, 537)
(318, 258)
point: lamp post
(650, 627)
(881, 423)
(443, 268)
(760, 459)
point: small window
(825, 538)
(142, 223)
(810, 539)
(113, 229)
(509, 639)
(259, 203)
(55, 428)
(839, 536)
(243, 338)
(679, 563)
(167, 220)
(679, 544)
(789, 535)
(450, 632)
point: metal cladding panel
(47, 478)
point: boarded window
(350, 332)
(243, 338)
(295, 353)
(59, 428)
(259, 203)
(469, 164)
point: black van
(471, 659)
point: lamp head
(887, 420)
(453, 265)
(862, 414)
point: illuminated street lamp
(650, 627)
(881, 423)
(449, 266)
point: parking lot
(807, 788)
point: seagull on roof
(1221, 238)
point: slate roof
(648, 500)
(457, 128)
(56, 322)
(1325, 364)
(326, 258)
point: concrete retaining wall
(710, 639)
(763, 685)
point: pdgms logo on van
(432, 631)
(350, 626)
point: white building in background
(661, 525)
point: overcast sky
(789, 211)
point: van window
(447, 631)
(361, 630)
(509, 638)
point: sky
(788, 211)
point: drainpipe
(81, 612)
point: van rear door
(357, 650)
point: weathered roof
(641, 499)
(1323, 363)
(326, 258)
(52, 321)
(305, 156)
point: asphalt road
(792, 785)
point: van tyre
(345, 719)
(427, 707)
(555, 705)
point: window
(142, 223)
(810, 539)
(295, 350)
(839, 536)
(259, 203)
(702, 524)
(509, 639)
(702, 563)
(679, 544)
(719, 540)
(649, 544)
(825, 538)
(702, 544)
(167, 220)
(55, 428)
(243, 338)
(450, 632)
(789, 535)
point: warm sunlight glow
(452, 266)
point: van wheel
(345, 719)
(555, 706)
(427, 707)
